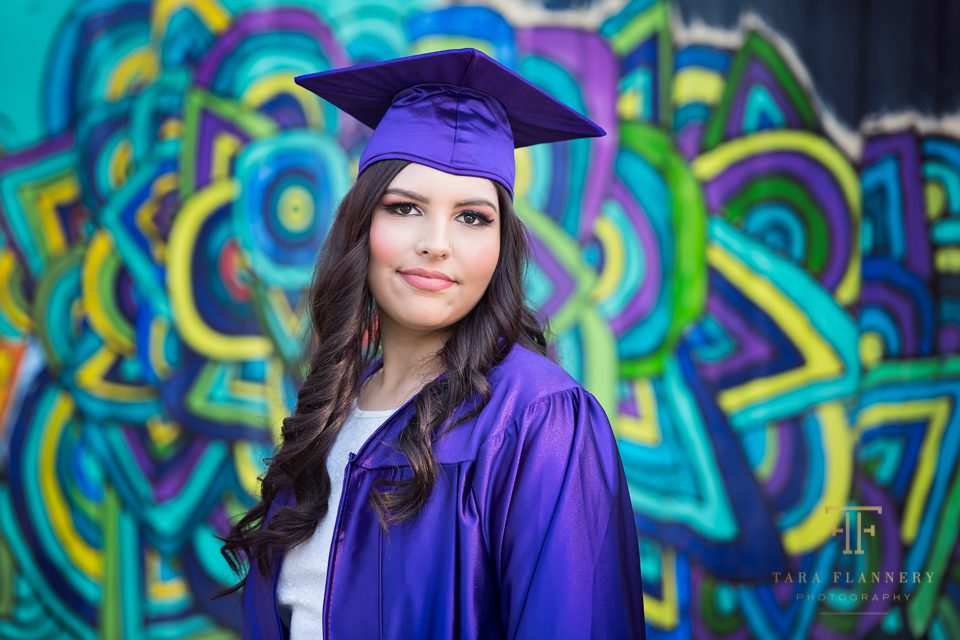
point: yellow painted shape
(820, 362)
(162, 432)
(664, 614)
(195, 332)
(86, 558)
(170, 129)
(524, 168)
(19, 318)
(277, 409)
(629, 105)
(226, 146)
(100, 252)
(935, 198)
(645, 429)
(268, 87)
(947, 259)
(279, 302)
(814, 530)
(765, 469)
(64, 189)
(139, 64)
(210, 12)
(712, 163)
(936, 411)
(613, 259)
(90, 377)
(872, 348)
(159, 589)
(158, 330)
(697, 85)
(295, 208)
(119, 168)
(248, 473)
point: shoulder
(524, 377)
(527, 387)
(526, 390)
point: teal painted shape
(761, 111)
(709, 512)
(829, 321)
(883, 203)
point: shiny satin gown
(529, 531)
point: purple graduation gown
(529, 531)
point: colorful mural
(769, 314)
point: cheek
(383, 244)
(483, 261)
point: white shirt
(303, 575)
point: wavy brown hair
(345, 340)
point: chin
(423, 322)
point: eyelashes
(407, 208)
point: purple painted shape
(753, 352)
(948, 339)
(269, 21)
(821, 185)
(588, 57)
(900, 307)
(651, 288)
(219, 519)
(207, 129)
(905, 148)
(629, 406)
(688, 141)
(171, 483)
(563, 284)
(134, 436)
(788, 440)
(758, 73)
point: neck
(409, 360)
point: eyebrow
(419, 198)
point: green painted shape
(787, 191)
(196, 103)
(7, 579)
(756, 46)
(688, 287)
(110, 610)
(209, 397)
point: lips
(426, 280)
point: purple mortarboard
(459, 111)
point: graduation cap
(458, 111)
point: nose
(435, 241)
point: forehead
(439, 185)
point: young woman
(457, 483)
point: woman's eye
(475, 219)
(403, 208)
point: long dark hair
(345, 341)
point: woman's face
(434, 245)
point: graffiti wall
(768, 307)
